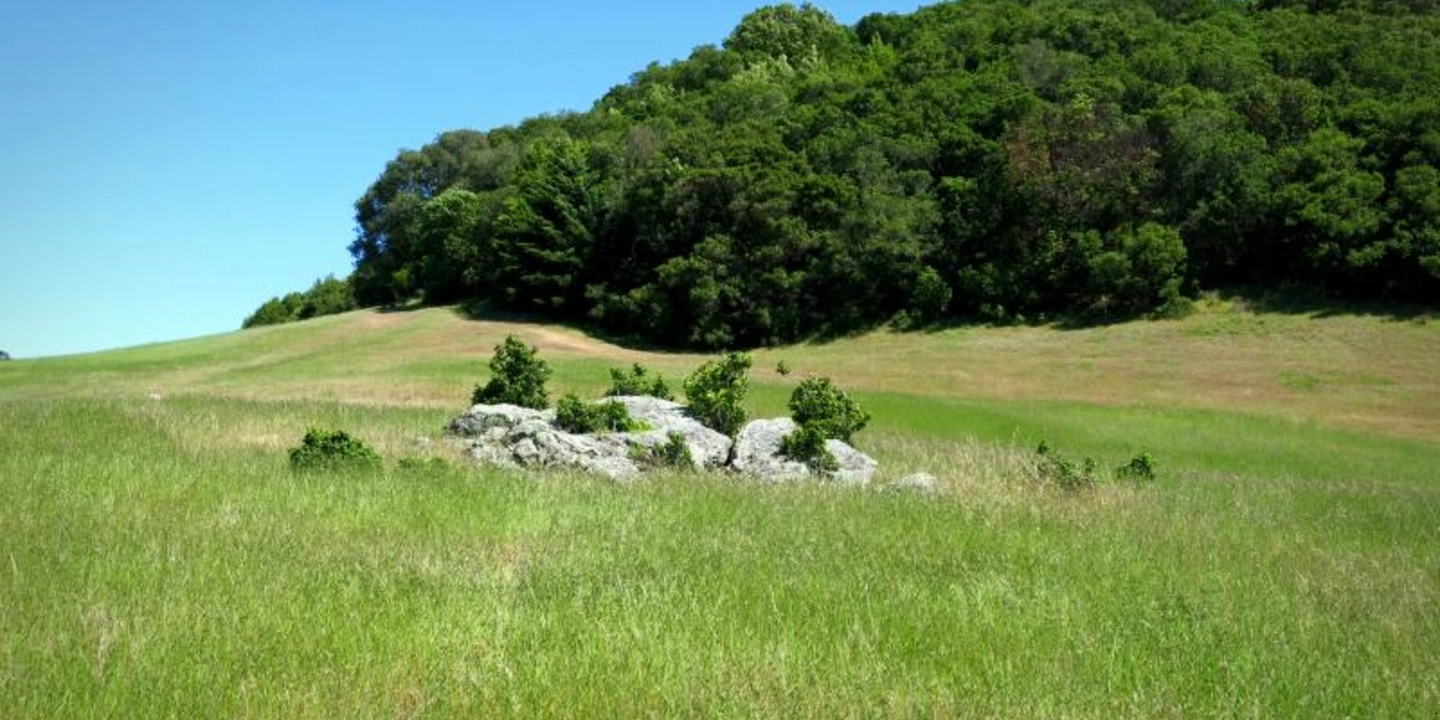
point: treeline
(328, 296)
(992, 159)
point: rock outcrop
(757, 452)
(708, 448)
(511, 436)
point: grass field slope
(158, 558)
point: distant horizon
(170, 168)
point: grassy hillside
(158, 559)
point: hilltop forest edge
(999, 160)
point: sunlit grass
(159, 559)
(1364, 373)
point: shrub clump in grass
(716, 391)
(821, 412)
(638, 382)
(1140, 469)
(331, 451)
(577, 416)
(1063, 472)
(518, 377)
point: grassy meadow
(158, 558)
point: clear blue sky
(166, 166)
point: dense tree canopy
(983, 158)
(327, 296)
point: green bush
(577, 416)
(807, 444)
(1064, 473)
(637, 382)
(930, 299)
(716, 391)
(674, 453)
(821, 411)
(328, 296)
(1140, 469)
(518, 377)
(816, 402)
(332, 450)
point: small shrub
(639, 381)
(930, 299)
(1063, 472)
(807, 444)
(674, 453)
(518, 377)
(577, 416)
(1140, 469)
(817, 403)
(332, 450)
(716, 391)
(782, 369)
(1173, 304)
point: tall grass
(159, 560)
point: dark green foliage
(1063, 472)
(674, 453)
(991, 159)
(715, 393)
(328, 296)
(782, 369)
(517, 377)
(544, 236)
(638, 382)
(577, 416)
(807, 444)
(333, 451)
(1140, 469)
(821, 412)
(1140, 268)
(816, 403)
(930, 300)
(272, 312)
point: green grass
(159, 559)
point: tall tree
(545, 234)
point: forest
(987, 160)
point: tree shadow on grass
(484, 311)
(1317, 305)
(1258, 300)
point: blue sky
(167, 166)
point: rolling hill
(160, 559)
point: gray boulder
(535, 442)
(510, 436)
(856, 468)
(757, 454)
(481, 418)
(709, 449)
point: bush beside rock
(511, 436)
